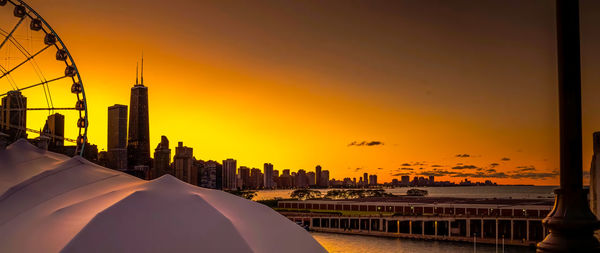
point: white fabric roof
(53, 203)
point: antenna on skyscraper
(142, 68)
(136, 72)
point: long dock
(492, 221)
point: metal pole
(571, 223)
(496, 235)
(475, 242)
(496, 243)
(569, 90)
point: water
(337, 243)
(515, 192)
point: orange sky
(294, 83)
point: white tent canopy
(53, 203)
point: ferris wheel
(40, 86)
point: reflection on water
(336, 243)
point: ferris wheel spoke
(25, 61)
(39, 132)
(11, 32)
(35, 85)
(42, 109)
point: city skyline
(279, 109)
(300, 126)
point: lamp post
(571, 222)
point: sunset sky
(454, 89)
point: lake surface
(337, 243)
(515, 192)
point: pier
(491, 221)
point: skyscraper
(256, 178)
(244, 173)
(55, 130)
(229, 177)
(138, 142)
(183, 162)
(13, 115)
(311, 177)
(373, 180)
(325, 178)
(268, 176)
(162, 158)
(208, 175)
(285, 180)
(301, 179)
(366, 178)
(318, 176)
(117, 137)
(405, 180)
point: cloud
(379, 168)
(526, 168)
(406, 164)
(358, 169)
(374, 143)
(491, 173)
(463, 167)
(436, 166)
(401, 174)
(404, 168)
(463, 155)
(535, 175)
(494, 165)
(505, 159)
(365, 143)
(418, 163)
(433, 173)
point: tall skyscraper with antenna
(138, 140)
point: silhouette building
(183, 162)
(208, 175)
(162, 158)
(325, 178)
(244, 173)
(311, 177)
(318, 176)
(117, 137)
(256, 178)
(366, 178)
(301, 179)
(138, 142)
(405, 180)
(229, 177)
(268, 176)
(285, 180)
(13, 115)
(372, 180)
(55, 130)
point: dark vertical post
(569, 94)
(571, 223)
